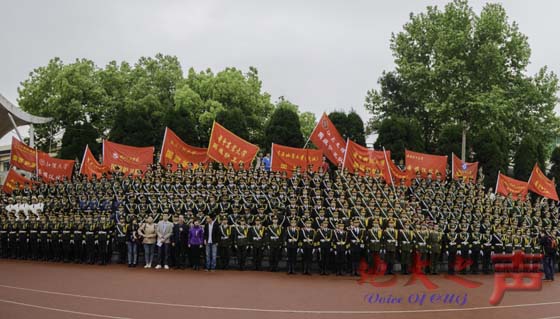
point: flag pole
(497, 183)
(83, 158)
(162, 144)
(452, 166)
(308, 139)
(389, 169)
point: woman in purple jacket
(196, 239)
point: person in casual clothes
(266, 162)
(149, 235)
(211, 239)
(164, 231)
(132, 242)
(549, 250)
(179, 242)
(196, 239)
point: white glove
(459, 253)
(481, 253)
(470, 251)
(447, 252)
(492, 254)
(96, 242)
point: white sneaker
(158, 267)
(166, 267)
(147, 266)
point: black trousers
(224, 255)
(274, 257)
(324, 257)
(307, 259)
(451, 262)
(258, 256)
(340, 259)
(292, 258)
(194, 256)
(241, 256)
(180, 252)
(22, 247)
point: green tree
(456, 67)
(307, 121)
(349, 126)
(75, 139)
(228, 90)
(492, 153)
(71, 94)
(529, 152)
(234, 120)
(554, 172)
(142, 119)
(397, 134)
(283, 128)
(449, 141)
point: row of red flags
(226, 147)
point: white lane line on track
(334, 312)
(64, 310)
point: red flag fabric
(129, 159)
(51, 169)
(226, 147)
(506, 185)
(286, 159)
(23, 156)
(399, 176)
(174, 151)
(326, 137)
(359, 159)
(425, 163)
(463, 170)
(91, 166)
(540, 184)
(12, 178)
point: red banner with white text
(359, 160)
(326, 137)
(286, 159)
(425, 164)
(130, 159)
(90, 166)
(540, 184)
(51, 169)
(15, 180)
(463, 170)
(507, 185)
(225, 147)
(22, 156)
(174, 151)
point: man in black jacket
(549, 249)
(211, 240)
(179, 242)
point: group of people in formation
(329, 221)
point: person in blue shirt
(266, 162)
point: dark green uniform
(224, 248)
(292, 246)
(435, 245)
(323, 242)
(275, 240)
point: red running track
(52, 290)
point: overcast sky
(321, 55)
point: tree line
(457, 74)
